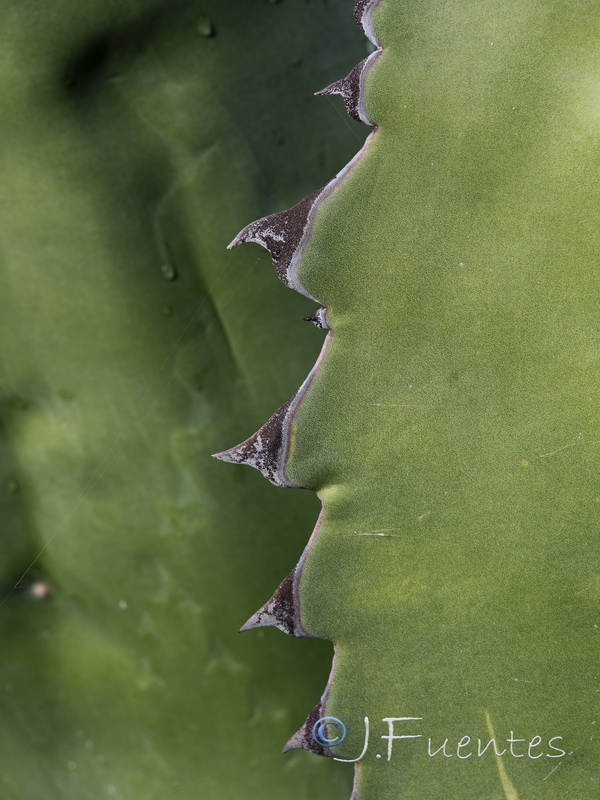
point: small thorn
(303, 738)
(265, 449)
(281, 234)
(350, 90)
(293, 743)
(280, 611)
(319, 318)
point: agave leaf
(451, 427)
(135, 136)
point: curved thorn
(280, 234)
(319, 319)
(303, 738)
(266, 449)
(350, 90)
(281, 611)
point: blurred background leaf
(137, 138)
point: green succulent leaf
(451, 425)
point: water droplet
(72, 765)
(123, 605)
(169, 272)
(12, 485)
(206, 27)
(111, 789)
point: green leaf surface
(451, 428)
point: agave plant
(450, 426)
(135, 136)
